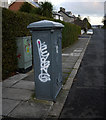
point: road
(86, 96)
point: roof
(33, 3)
(44, 24)
(66, 13)
(56, 13)
(69, 12)
(29, 1)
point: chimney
(62, 9)
(35, 1)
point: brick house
(67, 16)
(15, 6)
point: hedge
(14, 24)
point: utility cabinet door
(42, 64)
(57, 62)
(27, 51)
(20, 53)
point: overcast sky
(85, 8)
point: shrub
(45, 9)
(9, 61)
(26, 7)
(69, 34)
(14, 24)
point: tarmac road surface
(86, 96)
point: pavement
(18, 91)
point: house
(57, 16)
(79, 22)
(15, 6)
(67, 16)
(4, 3)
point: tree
(87, 24)
(26, 7)
(79, 17)
(46, 9)
(104, 20)
(85, 20)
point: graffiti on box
(44, 63)
(27, 47)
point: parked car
(90, 32)
(82, 32)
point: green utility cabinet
(24, 53)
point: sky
(84, 8)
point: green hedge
(14, 24)
(70, 34)
(104, 26)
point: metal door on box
(24, 52)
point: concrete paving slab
(66, 70)
(9, 83)
(0, 89)
(64, 57)
(77, 50)
(17, 77)
(8, 106)
(64, 76)
(30, 77)
(72, 59)
(17, 94)
(68, 50)
(0, 106)
(29, 85)
(0, 98)
(12, 80)
(75, 54)
(30, 109)
(0, 117)
(64, 54)
(68, 63)
(66, 66)
(0, 72)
